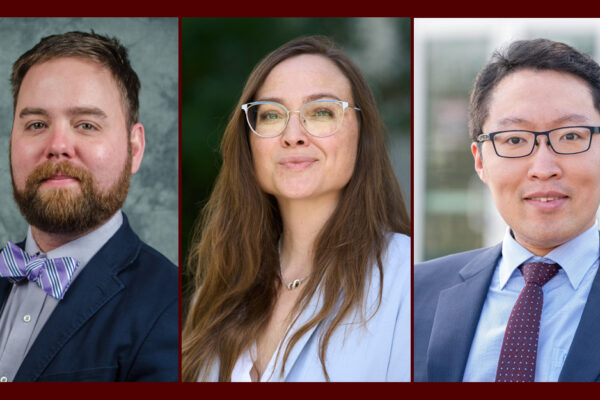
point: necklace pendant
(294, 284)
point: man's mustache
(50, 168)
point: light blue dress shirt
(565, 296)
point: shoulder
(396, 266)
(153, 259)
(447, 265)
(150, 290)
(380, 327)
(398, 246)
(148, 260)
(151, 277)
(154, 270)
(435, 275)
(396, 258)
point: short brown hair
(536, 54)
(101, 49)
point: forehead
(302, 76)
(541, 97)
(68, 82)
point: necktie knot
(53, 275)
(538, 273)
(34, 267)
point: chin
(330, 195)
(551, 235)
(295, 196)
(49, 190)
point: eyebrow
(576, 118)
(74, 111)
(318, 96)
(568, 118)
(33, 111)
(306, 99)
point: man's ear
(138, 143)
(476, 150)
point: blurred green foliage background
(218, 54)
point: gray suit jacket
(449, 293)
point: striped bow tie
(53, 275)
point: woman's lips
(297, 163)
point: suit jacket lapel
(313, 307)
(5, 287)
(93, 287)
(583, 361)
(456, 318)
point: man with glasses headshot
(526, 309)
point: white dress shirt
(378, 350)
(565, 296)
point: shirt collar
(83, 248)
(575, 256)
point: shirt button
(4, 379)
(27, 318)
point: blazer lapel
(93, 287)
(583, 361)
(5, 287)
(313, 307)
(456, 318)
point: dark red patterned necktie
(519, 346)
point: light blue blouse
(375, 350)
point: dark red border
(280, 8)
(311, 391)
(180, 188)
(412, 191)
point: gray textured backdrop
(154, 54)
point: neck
(49, 241)
(302, 222)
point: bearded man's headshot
(88, 275)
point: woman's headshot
(300, 258)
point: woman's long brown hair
(234, 256)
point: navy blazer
(449, 294)
(117, 322)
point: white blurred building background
(453, 210)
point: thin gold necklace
(293, 284)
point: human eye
(35, 126)
(321, 111)
(270, 114)
(572, 135)
(512, 138)
(86, 126)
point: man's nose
(60, 142)
(544, 161)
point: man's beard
(68, 210)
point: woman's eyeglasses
(320, 118)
